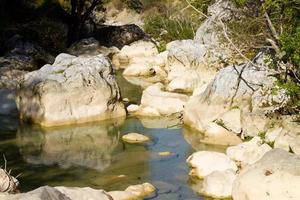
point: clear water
(93, 155)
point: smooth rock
(249, 152)
(134, 53)
(274, 177)
(232, 120)
(133, 108)
(142, 190)
(289, 141)
(166, 103)
(135, 138)
(72, 90)
(216, 134)
(206, 162)
(218, 184)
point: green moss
(59, 71)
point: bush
(165, 29)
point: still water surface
(93, 155)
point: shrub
(165, 29)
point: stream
(93, 154)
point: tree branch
(271, 27)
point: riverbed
(93, 154)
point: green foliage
(165, 29)
(293, 90)
(201, 5)
(290, 45)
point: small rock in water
(133, 192)
(132, 108)
(135, 138)
(125, 100)
(164, 153)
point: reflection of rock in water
(195, 139)
(89, 145)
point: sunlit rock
(133, 108)
(228, 92)
(218, 184)
(166, 103)
(135, 138)
(249, 152)
(216, 134)
(187, 66)
(275, 176)
(134, 192)
(134, 53)
(205, 162)
(72, 90)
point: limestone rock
(165, 103)
(134, 192)
(227, 91)
(249, 152)
(206, 162)
(142, 190)
(135, 138)
(187, 66)
(132, 108)
(218, 135)
(274, 177)
(288, 141)
(232, 120)
(134, 53)
(218, 184)
(72, 90)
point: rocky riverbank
(204, 83)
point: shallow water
(93, 155)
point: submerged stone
(135, 138)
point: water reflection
(89, 145)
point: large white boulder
(140, 51)
(72, 90)
(188, 66)
(249, 152)
(274, 177)
(218, 184)
(206, 162)
(238, 88)
(161, 102)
